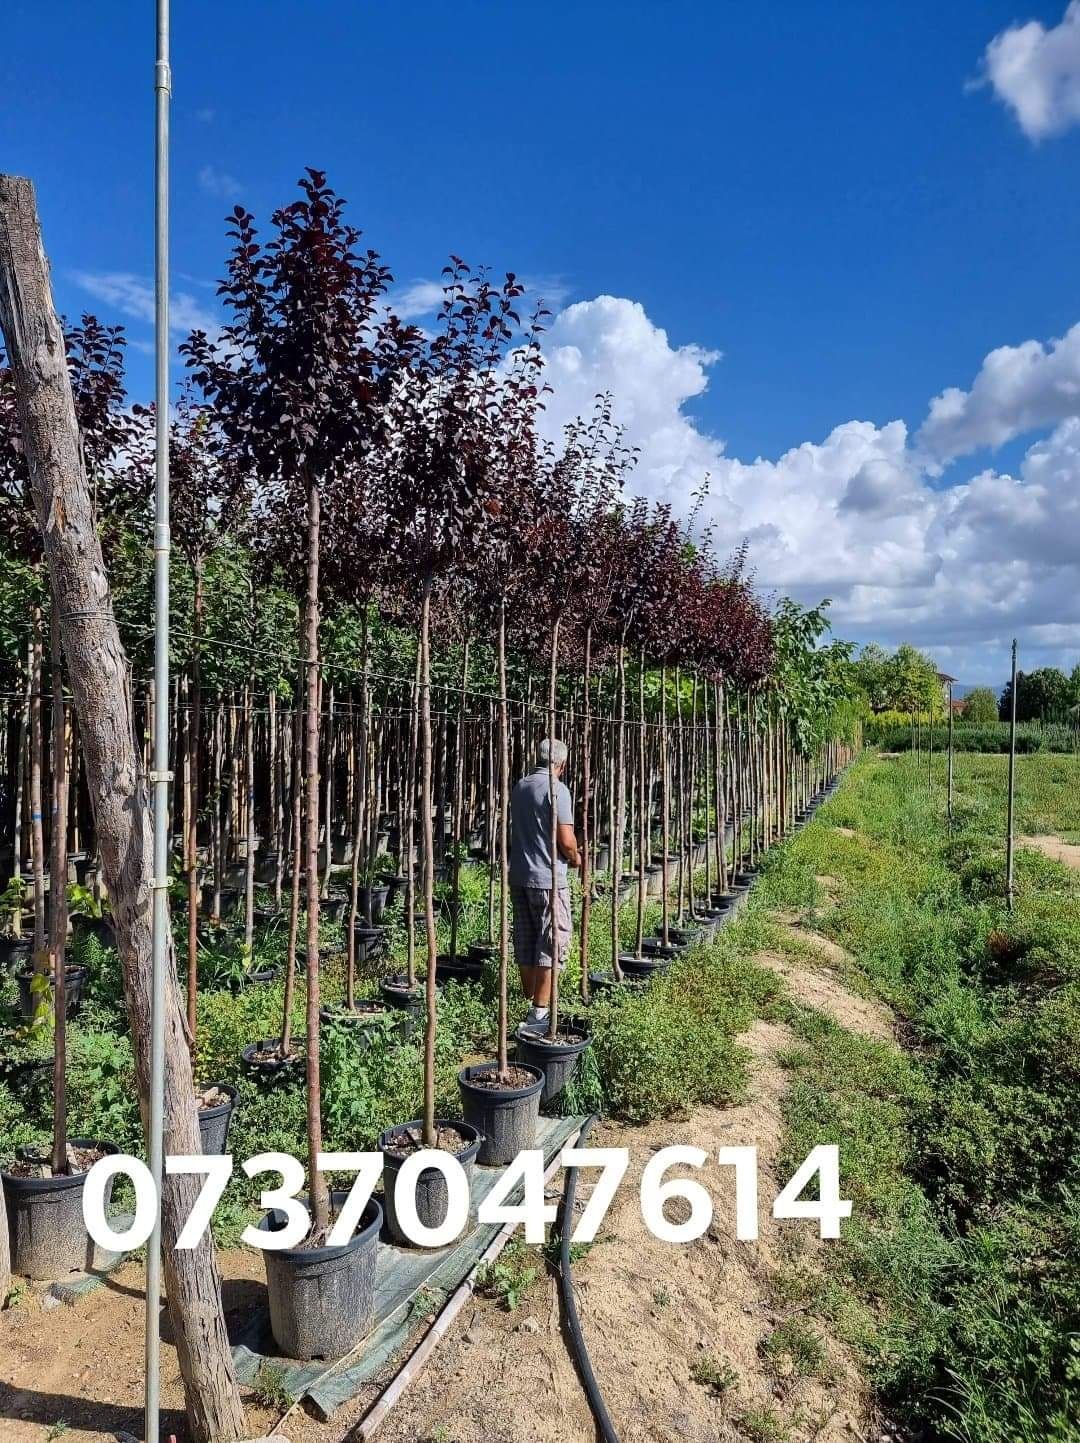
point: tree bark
(98, 670)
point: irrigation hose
(566, 1284)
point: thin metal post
(950, 767)
(1012, 787)
(160, 773)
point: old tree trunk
(98, 670)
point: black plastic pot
(266, 868)
(601, 982)
(431, 1194)
(47, 1233)
(368, 1017)
(322, 1300)
(75, 980)
(332, 909)
(270, 1070)
(16, 952)
(558, 1060)
(395, 887)
(372, 901)
(744, 880)
(506, 1117)
(461, 969)
(481, 953)
(99, 927)
(396, 991)
(214, 1122)
(641, 969)
(654, 881)
(655, 947)
(369, 942)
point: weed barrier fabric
(400, 1274)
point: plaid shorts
(532, 925)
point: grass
(764, 1424)
(714, 1374)
(956, 1277)
(268, 1388)
(511, 1275)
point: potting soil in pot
(80, 1160)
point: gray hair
(551, 752)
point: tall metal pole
(950, 768)
(1012, 787)
(160, 775)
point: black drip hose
(573, 1322)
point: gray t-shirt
(530, 829)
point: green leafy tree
(1042, 695)
(981, 707)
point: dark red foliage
(109, 434)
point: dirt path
(1058, 850)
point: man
(530, 878)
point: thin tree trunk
(58, 896)
(504, 850)
(620, 814)
(459, 799)
(553, 677)
(296, 800)
(37, 831)
(429, 865)
(586, 782)
(409, 844)
(249, 815)
(191, 816)
(99, 676)
(320, 1198)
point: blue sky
(818, 191)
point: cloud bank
(862, 515)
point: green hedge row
(894, 738)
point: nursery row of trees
(389, 586)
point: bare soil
(447, 1139)
(1056, 848)
(79, 1159)
(513, 1078)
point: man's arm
(567, 842)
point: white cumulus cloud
(1036, 72)
(1018, 389)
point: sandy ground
(82, 1364)
(653, 1312)
(1054, 847)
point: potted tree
(296, 381)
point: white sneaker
(536, 1021)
